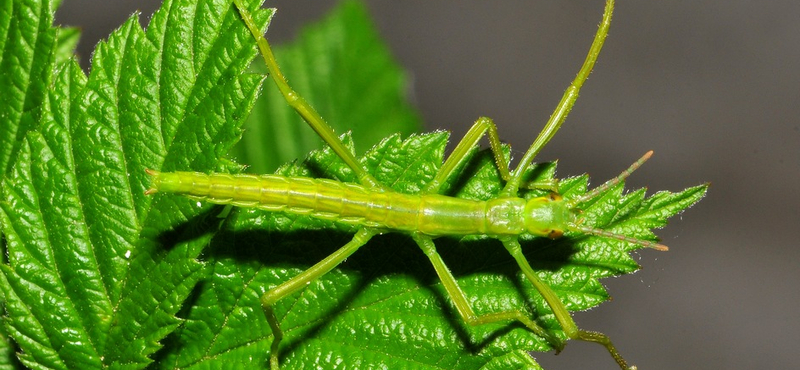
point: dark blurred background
(712, 86)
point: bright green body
(428, 214)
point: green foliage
(27, 40)
(98, 275)
(96, 270)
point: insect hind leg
(301, 106)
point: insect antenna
(610, 235)
(612, 182)
(605, 186)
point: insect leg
(462, 304)
(483, 126)
(564, 106)
(559, 310)
(301, 106)
(301, 281)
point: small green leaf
(66, 40)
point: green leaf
(385, 307)
(332, 64)
(66, 42)
(100, 275)
(97, 270)
(28, 44)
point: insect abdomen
(331, 200)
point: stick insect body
(375, 209)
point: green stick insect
(375, 209)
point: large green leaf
(385, 306)
(99, 275)
(96, 270)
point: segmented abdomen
(333, 200)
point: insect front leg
(456, 160)
(301, 281)
(559, 310)
(564, 105)
(462, 304)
